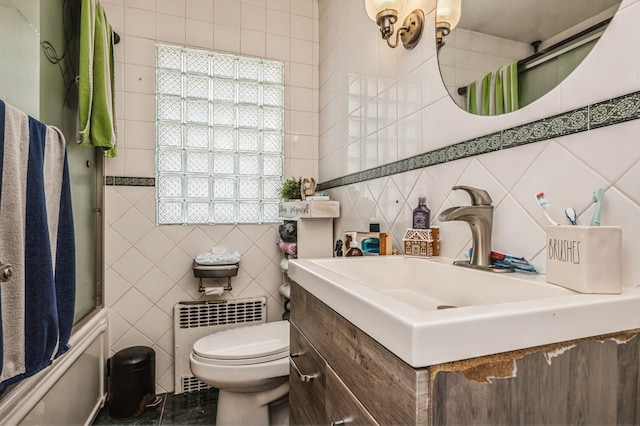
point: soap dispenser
(421, 214)
(354, 250)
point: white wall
(378, 105)
(148, 267)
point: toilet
(250, 367)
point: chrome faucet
(479, 216)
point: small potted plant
(291, 189)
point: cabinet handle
(303, 377)
(341, 422)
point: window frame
(219, 137)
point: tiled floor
(195, 408)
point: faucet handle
(479, 197)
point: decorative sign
(309, 209)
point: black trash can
(132, 377)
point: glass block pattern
(220, 133)
(249, 189)
(224, 90)
(272, 165)
(170, 186)
(248, 141)
(197, 87)
(198, 187)
(249, 212)
(248, 164)
(271, 188)
(198, 137)
(270, 212)
(197, 213)
(248, 116)
(169, 134)
(249, 69)
(224, 189)
(272, 95)
(272, 142)
(170, 83)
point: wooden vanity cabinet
(317, 395)
(307, 396)
(342, 406)
(590, 381)
(363, 383)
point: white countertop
(394, 300)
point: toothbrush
(598, 196)
(544, 204)
(571, 215)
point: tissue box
(585, 258)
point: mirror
(503, 55)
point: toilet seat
(249, 345)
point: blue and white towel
(37, 239)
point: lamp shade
(449, 11)
(375, 6)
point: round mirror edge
(451, 76)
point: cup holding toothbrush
(586, 259)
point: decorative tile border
(547, 128)
(606, 113)
(614, 111)
(129, 181)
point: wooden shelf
(314, 225)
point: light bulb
(375, 6)
(449, 11)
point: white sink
(399, 301)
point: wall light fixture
(385, 14)
(447, 17)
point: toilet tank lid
(254, 341)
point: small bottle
(421, 214)
(354, 250)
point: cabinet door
(342, 406)
(307, 381)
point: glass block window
(219, 137)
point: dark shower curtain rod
(522, 64)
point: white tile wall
(374, 95)
(362, 104)
(148, 267)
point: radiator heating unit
(193, 320)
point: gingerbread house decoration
(422, 242)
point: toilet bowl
(250, 367)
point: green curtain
(498, 92)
